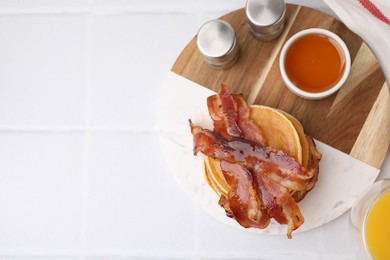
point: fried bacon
(280, 167)
(280, 204)
(231, 117)
(264, 183)
(244, 202)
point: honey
(377, 230)
(314, 62)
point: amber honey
(314, 62)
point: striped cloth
(370, 19)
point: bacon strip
(229, 111)
(251, 131)
(244, 202)
(231, 117)
(281, 205)
(273, 208)
(282, 168)
(216, 113)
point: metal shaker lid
(216, 40)
(265, 18)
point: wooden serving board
(355, 120)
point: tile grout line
(138, 254)
(83, 236)
(39, 253)
(60, 129)
(320, 240)
(196, 238)
(112, 10)
(196, 212)
(84, 194)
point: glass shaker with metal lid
(265, 18)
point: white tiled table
(82, 175)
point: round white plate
(341, 179)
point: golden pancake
(278, 130)
(210, 181)
(302, 138)
(212, 184)
(215, 176)
(282, 132)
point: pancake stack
(258, 160)
(282, 131)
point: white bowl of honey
(314, 63)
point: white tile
(156, 257)
(42, 3)
(205, 17)
(340, 238)
(186, 6)
(227, 5)
(40, 191)
(268, 257)
(130, 59)
(134, 204)
(219, 240)
(7, 257)
(42, 69)
(152, 4)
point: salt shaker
(216, 40)
(265, 18)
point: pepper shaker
(265, 18)
(216, 40)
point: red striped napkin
(370, 19)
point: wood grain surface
(355, 120)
